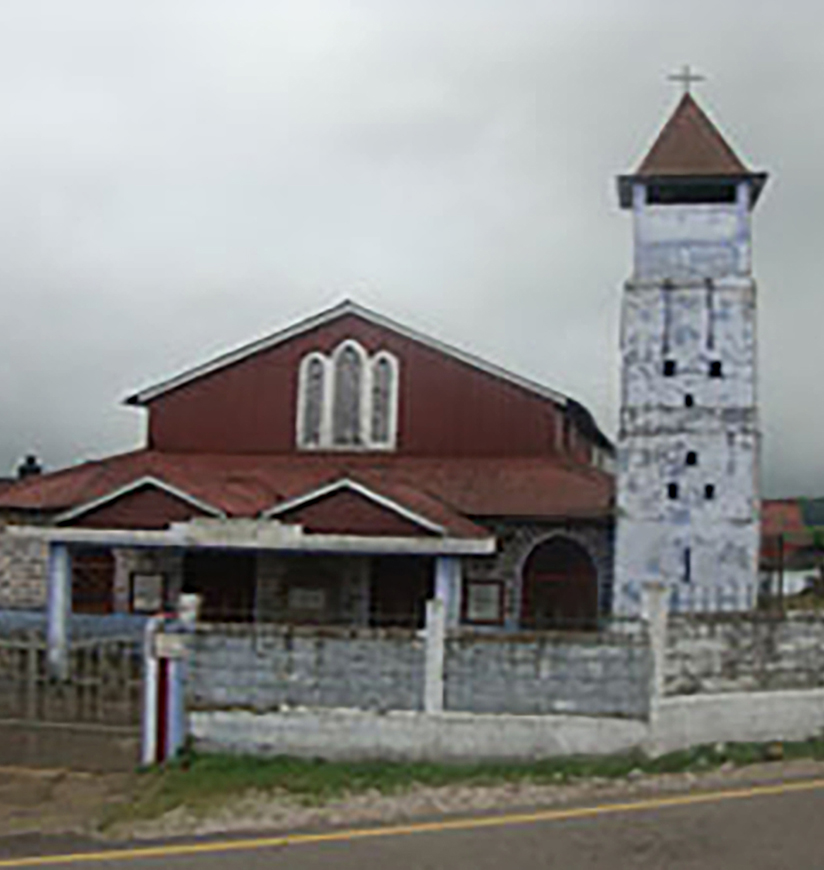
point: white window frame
(326, 406)
(392, 403)
(327, 434)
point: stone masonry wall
(23, 573)
(516, 540)
(543, 674)
(272, 667)
(743, 653)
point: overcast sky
(178, 177)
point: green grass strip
(200, 782)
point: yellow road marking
(464, 824)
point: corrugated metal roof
(245, 485)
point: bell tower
(688, 446)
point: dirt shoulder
(103, 806)
(268, 811)
(56, 801)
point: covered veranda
(264, 570)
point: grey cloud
(179, 177)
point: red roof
(781, 516)
(443, 490)
(690, 144)
(783, 531)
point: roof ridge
(346, 307)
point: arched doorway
(560, 587)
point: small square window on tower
(688, 400)
(716, 370)
(670, 368)
(672, 490)
(709, 492)
(691, 458)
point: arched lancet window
(383, 375)
(347, 399)
(313, 386)
(346, 414)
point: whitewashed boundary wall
(272, 667)
(714, 653)
(268, 667)
(717, 711)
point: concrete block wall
(692, 241)
(266, 668)
(269, 668)
(549, 674)
(713, 654)
(687, 488)
(670, 527)
(679, 723)
(453, 737)
(693, 326)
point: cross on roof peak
(686, 77)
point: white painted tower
(688, 447)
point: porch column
(59, 609)
(433, 682)
(655, 612)
(448, 581)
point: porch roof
(251, 534)
(441, 488)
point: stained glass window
(346, 419)
(348, 399)
(313, 402)
(381, 401)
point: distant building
(792, 546)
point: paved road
(772, 828)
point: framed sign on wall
(307, 598)
(483, 602)
(147, 592)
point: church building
(348, 468)
(340, 471)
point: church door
(560, 587)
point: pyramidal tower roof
(690, 147)
(690, 144)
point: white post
(448, 587)
(655, 608)
(176, 728)
(148, 737)
(434, 662)
(59, 609)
